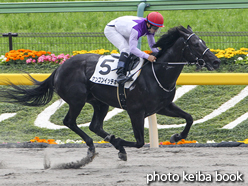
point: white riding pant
(118, 40)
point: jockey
(124, 32)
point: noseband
(198, 61)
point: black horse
(152, 92)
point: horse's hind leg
(174, 111)
(70, 122)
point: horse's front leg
(137, 121)
(174, 111)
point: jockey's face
(152, 29)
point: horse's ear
(183, 34)
(189, 28)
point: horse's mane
(167, 40)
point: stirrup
(124, 80)
(121, 79)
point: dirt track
(24, 166)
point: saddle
(133, 61)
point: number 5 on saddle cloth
(105, 73)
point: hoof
(175, 138)
(91, 152)
(122, 156)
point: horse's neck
(169, 73)
(165, 74)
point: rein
(197, 62)
(161, 86)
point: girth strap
(121, 96)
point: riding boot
(121, 71)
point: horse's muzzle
(216, 64)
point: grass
(198, 102)
(200, 20)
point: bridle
(197, 61)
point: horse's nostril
(216, 64)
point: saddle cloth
(105, 71)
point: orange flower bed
(38, 140)
(183, 141)
(21, 54)
(52, 141)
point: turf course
(198, 102)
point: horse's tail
(39, 95)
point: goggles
(154, 27)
